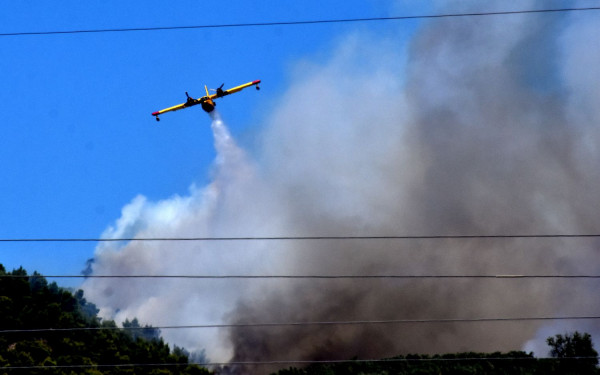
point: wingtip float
(207, 101)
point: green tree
(576, 352)
(29, 305)
(146, 332)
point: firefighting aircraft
(207, 101)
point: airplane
(207, 102)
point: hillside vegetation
(48, 330)
(97, 347)
(571, 354)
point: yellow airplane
(207, 101)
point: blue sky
(78, 141)
(488, 127)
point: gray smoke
(487, 126)
(485, 137)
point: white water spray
(210, 211)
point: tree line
(29, 303)
(571, 354)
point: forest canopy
(46, 329)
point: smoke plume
(487, 126)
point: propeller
(219, 88)
(189, 99)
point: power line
(300, 362)
(309, 238)
(325, 277)
(313, 323)
(290, 23)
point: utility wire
(290, 23)
(299, 362)
(308, 238)
(315, 323)
(325, 277)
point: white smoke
(205, 212)
(488, 127)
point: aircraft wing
(233, 90)
(190, 102)
(206, 101)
